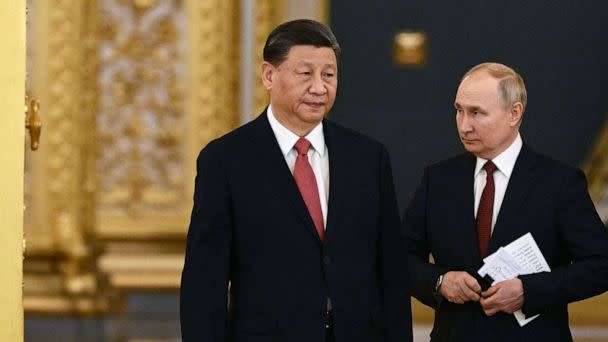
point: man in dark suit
(469, 206)
(298, 214)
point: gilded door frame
(12, 135)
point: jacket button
(326, 260)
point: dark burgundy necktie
(485, 211)
(305, 179)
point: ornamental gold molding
(143, 219)
(596, 169)
(60, 274)
(129, 92)
(140, 122)
(213, 40)
(268, 14)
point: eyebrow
(475, 108)
(328, 65)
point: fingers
(460, 287)
(505, 297)
(490, 312)
(467, 292)
(491, 291)
(489, 303)
(473, 284)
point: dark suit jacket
(250, 226)
(543, 197)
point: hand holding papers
(521, 256)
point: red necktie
(485, 210)
(305, 179)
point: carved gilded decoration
(169, 75)
(129, 91)
(593, 311)
(60, 274)
(140, 123)
(213, 66)
(269, 13)
(596, 169)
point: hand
(459, 287)
(506, 296)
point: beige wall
(12, 92)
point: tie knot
(302, 146)
(489, 167)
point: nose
(463, 123)
(318, 86)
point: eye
(328, 74)
(305, 73)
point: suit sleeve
(204, 283)
(393, 259)
(423, 273)
(586, 241)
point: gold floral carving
(143, 230)
(59, 269)
(141, 121)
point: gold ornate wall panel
(593, 311)
(268, 14)
(59, 270)
(141, 117)
(596, 169)
(213, 45)
(168, 86)
(129, 91)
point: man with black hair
(298, 214)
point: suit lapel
(337, 180)
(464, 214)
(521, 181)
(279, 180)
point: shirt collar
(505, 161)
(287, 139)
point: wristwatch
(438, 283)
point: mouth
(468, 141)
(315, 104)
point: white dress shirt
(505, 162)
(317, 155)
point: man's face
(485, 126)
(303, 87)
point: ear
(268, 71)
(517, 112)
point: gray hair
(511, 85)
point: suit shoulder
(229, 140)
(553, 166)
(353, 137)
(456, 161)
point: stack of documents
(521, 256)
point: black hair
(298, 32)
